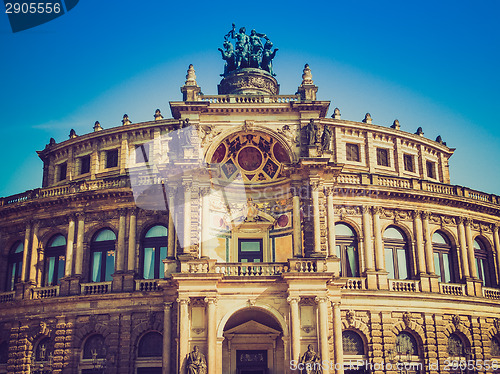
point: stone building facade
(138, 245)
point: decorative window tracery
(352, 343)
(258, 157)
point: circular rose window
(249, 158)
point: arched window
(495, 347)
(94, 348)
(352, 343)
(444, 258)
(15, 265)
(483, 266)
(396, 254)
(406, 343)
(55, 259)
(406, 351)
(154, 250)
(43, 351)
(102, 262)
(149, 353)
(347, 250)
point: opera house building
(249, 233)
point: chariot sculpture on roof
(250, 52)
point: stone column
(211, 334)
(187, 217)
(464, 260)
(79, 243)
(120, 248)
(26, 249)
(171, 225)
(295, 330)
(68, 271)
(205, 222)
(132, 240)
(316, 217)
(331, 222)
(32, 277)
(470, 249)
(167, 337)
(323, 331)
(496, 240)
(429, 253)
(367, 239)
(183, 332)
(419, 236)
(337, 338)
(379, 247)
(297, 224)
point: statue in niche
(185, 133)
(311, 361)
(267, 57)
(326, 138)
(311, 131)
(196, 363)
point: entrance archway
(253, 343)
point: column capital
(365, 209)
(122, 211)
(460, 220)
(134, 211)
(167, 305)
(211, 300)
(495, 227)
(329, 191)
(335, 304)
(80, 215)
(204, 191)
(416, 214)
(376, 210)
(426, 215)
(468, 221)
(293, 299)
(321, 299)
(183, 300)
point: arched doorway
(253, 343)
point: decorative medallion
(250, 158)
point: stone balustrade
(147, 285)
(44, 292)
(491, 293)
(246, 269)
(245, 99)
(404, 285)
(95, 288)
(6, 297)
(452, 289)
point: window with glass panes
(250, 250)
(102, 260)
(484, 269)
(431, 169)
(111, 158)
(347, 250)
(154, 251)
(15, 264)
(408, 163)
(444, 259)
(63, 168)
(382, 157)
(55, 260)
(142, 153)
(352, 152)
(396, 254)
(85, 164)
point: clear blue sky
(428, 63)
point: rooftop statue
(250, 52)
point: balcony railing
(146, 285)
(44, 292)
(245, 99)
(6, 297)
(96, 288)
(491, 293)
(452, 289)
(354, 284)
(245, 269)
(404, 285)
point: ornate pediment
(253, 328)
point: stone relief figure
(229, 56)
(311, 361)
(326, 138)
(196, 363)
(185, 134)
(311, 131)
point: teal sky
(433, 64)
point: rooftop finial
(420, 131)
(126, 120)
(158, 115)
(307, 76)
(368, 118)
(336, 113)
(97, 126)
(395, 125)
(72, 134)
(191, 76)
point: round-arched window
(352, 343)
(154, 251)
(55, 260)
(347, 250)
(406, 344)
(484, 269)
(15, 265)
(150, 345)
(94, 347)
(396, 254)
(102, 264)
(444, 259)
